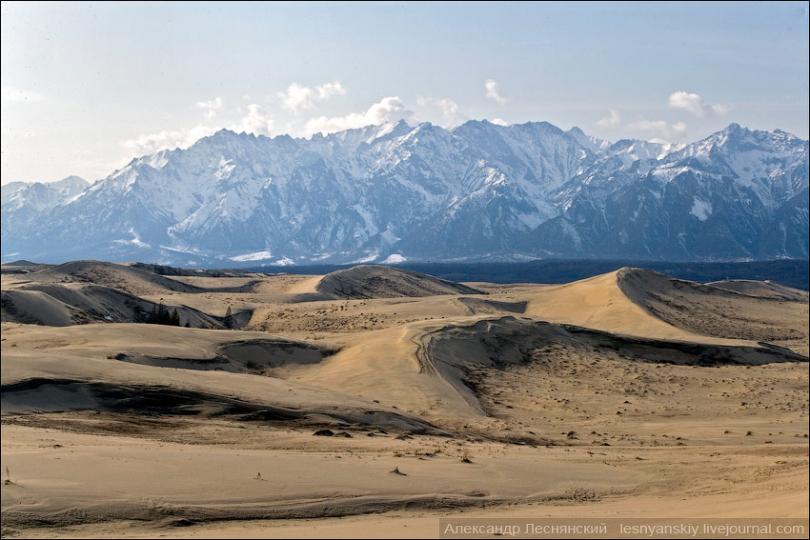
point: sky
(87, 87)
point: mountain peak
(72, 182)
(735, 135)
(477, 124)
(43, 196)
(226, 134)
(73, 178)
(390, 130)
(586, 141)
(541, 125)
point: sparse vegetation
(228, 320)
(160, 314)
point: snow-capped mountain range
(397, 192)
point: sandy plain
(373, 402)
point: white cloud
(388, 109)
(257, 121)
(660, 130)
(695, 104)
(298, 97)
(448, 111)
(169, 138)
(612, 120)
(18, 95)
(210, 107)
(499, 122)
(678, 129)
(493, 91)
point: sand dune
(137, 281)
(648, 304)
(714, 311)
(21, 266)
(361, 282)
(63, 305)
(89, 291)
(259, 356)
(136, 360)
(762, 289)
(600, 303)
(37, 307)
(456, 350)
(174, 271)
(62, 395)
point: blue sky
(86, 87)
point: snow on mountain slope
(42, 195)
(25, 204)
(478, 191)
(734, 195)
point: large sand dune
(91, 291)
(134, 280)
(63, 305)
(148, 361)
(599, 302)
(648, 304)
(361, 282)
(715, 311)
(457, 350)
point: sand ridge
(761, 289)
(369, 281)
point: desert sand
(373, 401)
